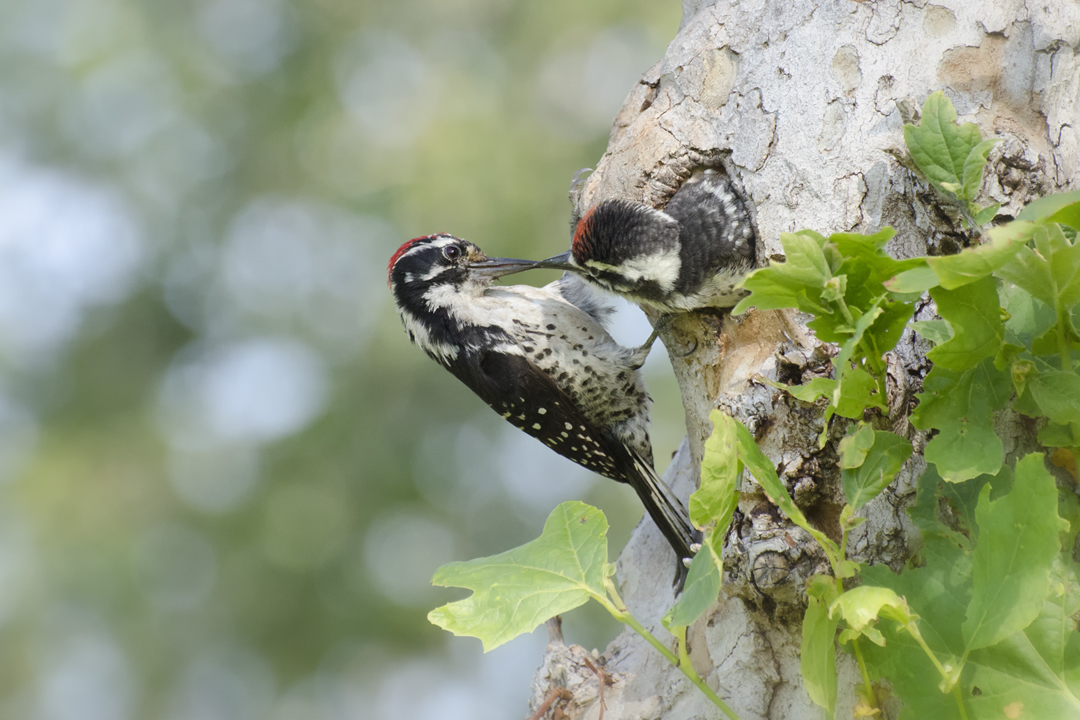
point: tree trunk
(803, 105)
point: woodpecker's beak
(494, 268)
(559, 262)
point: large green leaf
(1036, 671)
(1018, 541)
(699, 591)
(818, 652)
(1057, 393)
(1050, 271)
(1047, 207)
(939, 592)
(517, 590)
(974, 315)
(796, 282)
(883, 460)
(961, 407)
(721, 470)
(971, 264)
(950, 155)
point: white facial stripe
(440, 241)
(663, 269)
(434, 272)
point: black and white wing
(531, 401)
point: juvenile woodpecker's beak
(559, 262)
(494, 268)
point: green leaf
(1063, 259)
(1043, 208)
(862, 606)
(1050, 272)
(765, 475)
(939, 592)
(517, 590)
(987, 214)
(811, 391)
(973, 168)
(716, 498)
(855, 389)
(1028, 318)
(856, 393)
(961, 407)
(885, 458)
(917, 279)
(940, 147)
(1035, 672)
(971, 264)
(818, 652)
(1057, 393)
(1058, 436)
(965, 450)
(1018, 541)
(887, 328)
(855, 445)
(1068, 215)
(796, 282)
(699, 592)
(936, 331)
(974, 315)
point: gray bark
(803, 103)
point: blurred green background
(225, 475)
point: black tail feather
(664, 508)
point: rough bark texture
(803, 104)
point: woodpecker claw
(686, 561)
(578, 180)
(663, 323)
(695, 548)
(641, 352)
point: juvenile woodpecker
(689, 255)
(540, 361)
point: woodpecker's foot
(663, 323)
(578, 180)
(641, 352)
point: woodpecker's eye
(451, 252)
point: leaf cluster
(840, 280)
(986, 622)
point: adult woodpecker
(540, 361)
(687, 256)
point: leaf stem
(1063, 338)
(618, 610)
(913, 629)
(691, 674)
(868, 685)
(959, 701)
(846, 312)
